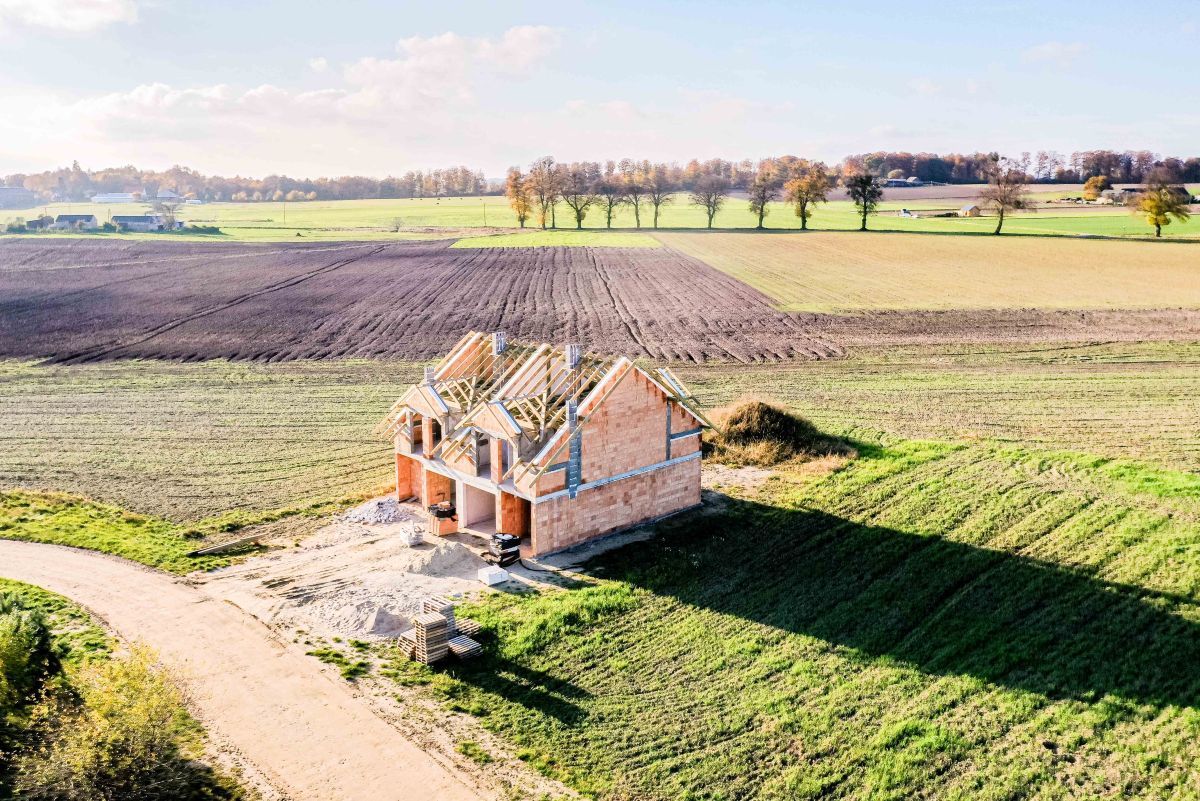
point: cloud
(436, 96)
(69, 16)
(1061, 54)
(925, 86)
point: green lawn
(937, 620)
(421, 218)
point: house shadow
(535, 689)
(943, 607)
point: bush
(27, 654)
(121, 734)
(758, 433)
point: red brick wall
(563, 522)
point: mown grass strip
(542, 239)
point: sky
(376, 88)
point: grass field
(1008, 610)
(934, 621)
(827, 272)
(379, 219)
(191, 441)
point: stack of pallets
(436, 603)
(467, 627)
(431, 637)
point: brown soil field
(79, 300)
(86, 301)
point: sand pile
(349, 581)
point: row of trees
(646, 188)
(75, 183)
(1044, 166)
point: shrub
(27, 653)
(758, 433)
(122, 734)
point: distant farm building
(970, 210)
(65, 222)
(117, 197)
(16, 197)
(910, 181)
(143, 222)
(545, 444)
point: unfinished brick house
(545, 443)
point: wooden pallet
(464, 647)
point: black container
(505, 549)
(443, 510)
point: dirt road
(308, 734)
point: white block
(492, 575)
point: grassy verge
(933, 620)
(62, 519)
(536, 238)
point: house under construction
(545, 443)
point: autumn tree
(808, 186)
(634, 179)
(710, 193)
(865, 190)
(612, 194)
(660, 188)
(544, 187)
(764, 188)
(579, 183)
(1093, 186)
(1005, 191)
(1161, 201)
(516, 189)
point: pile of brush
(764, 435)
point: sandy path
(308, 734)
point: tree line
(584, 187)
(77, 184)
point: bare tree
(168, 210)
(635, 188)
(612, 194)
(710, 193)
(764, 188)
(516, 188)
(579, 190)
(1005, 191)
(660, 188)
(808, 186)
(544, 187)
(866, 191)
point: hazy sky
(356, 86)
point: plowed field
(80, 300)
(85, 301)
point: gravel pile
(378, 511)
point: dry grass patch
(840, 271)
(759, 434)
